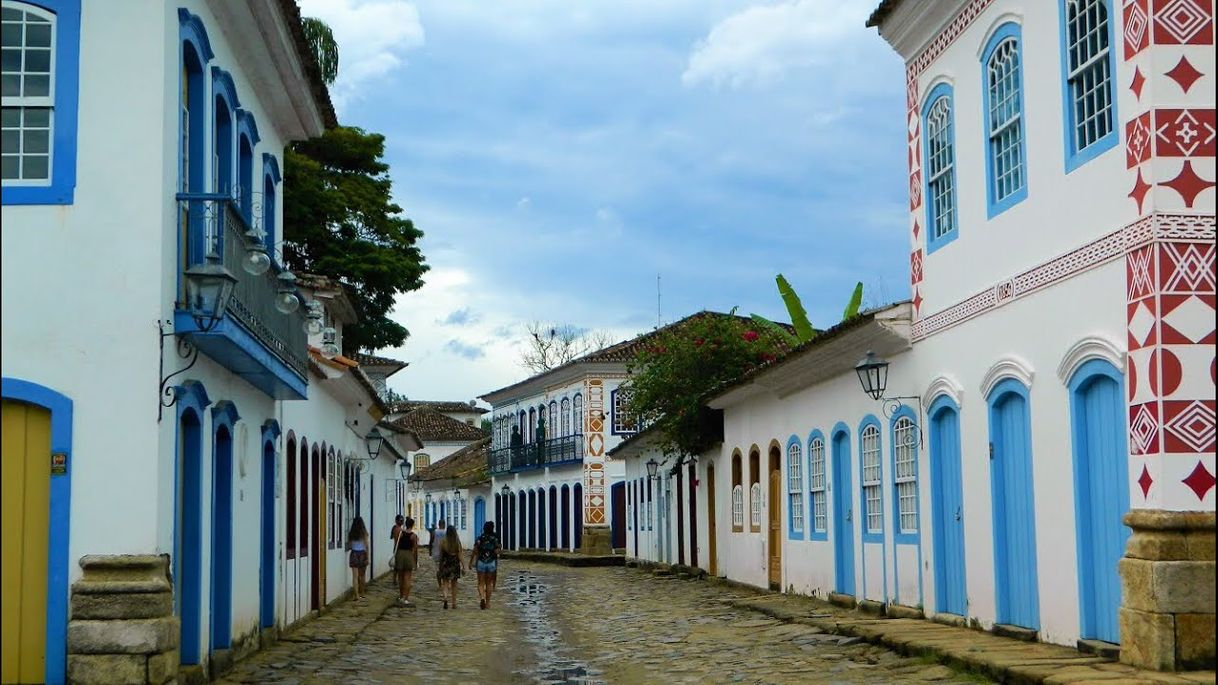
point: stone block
(107, 669)
(121, 606)
(101, 567)
(1201, 546)
(1148, 640)
(1157, 545)
(1184, 587)
(1195, 641)
(163, 667)
(1137, 576)
(136, 636)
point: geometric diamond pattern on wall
(1144, 428)
(1188, 183)
(1183, 22)
(1188, 268)
(1137, 25)
(1184, 74)
(1189, 426)
(1200, 481)
(1184, 132)
(1138, 140)
(1187, 319)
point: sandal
(446, 604)
(482, 604)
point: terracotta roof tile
(373, 360)
(444, 406)
(466, 466)
(430, 425)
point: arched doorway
(578, 515)
(843, 513)
(1018, 596)
(774, 507)
(711, 521)
(947, 496)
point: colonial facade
(1040, 408)
(208, 521)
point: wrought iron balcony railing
(533, 455)
(213, 225)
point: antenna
(658, 309)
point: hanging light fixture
(287, 301)
(653, 467)
(256, 261)
(373, 441)
(873, 375)
(209, 287)
(405, 468)
(313, 319)
(329, 349)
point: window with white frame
(1088, 78)
(795, 486)
(871, 479)
(816, 476)
(422, 460)
(1005, 105)
(461, 509)
(941, 161)
(28, 85)
(566, 417)
(332, 509)
(623, 423)
(755, 505)
(905, 435)
(552, 426)
(577, 414)
(738, 506)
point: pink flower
(750, 336)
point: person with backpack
(484, 559)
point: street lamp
(505, 490)
(209, 287)
(329, 348)
(287, 301)
(653, 467)
(405, 468)
(456, 493)
(427, 498)
(873, 375)
(374, 440)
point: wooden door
(948, 500)
(843, 514)
(26, 482)
(775, 535)
(710, 520)
(1014, 520)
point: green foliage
(325, 48)
(856, 301)
(679, 365)
(486, 426)
(340, 222)
(795, 307)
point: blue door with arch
(479, 515)
(266, 564)
(843, 515)
(1018, 596)
(947, 494)
(1101, 494)
(224, 415)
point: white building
(465, 412)
(442, 434)
(1065, 385)
(111, 205)
(456, 490)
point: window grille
(755, 505)
(816, 474)
(795, 486)
(940, 164)
(1088, 78)
(622, 421)
(27, 80)
(566, 417)
(738, 506)
(906, 473)
(1006, 120)
(871, 479)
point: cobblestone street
(553, 624)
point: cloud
(759, 45)
(462, 349)
(372, 36)
(460, 317)
(523, 203)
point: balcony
(254, 340)
(534, 455)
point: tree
(325, 48)
(549, 346)
(675, 370)
(340, 222)
(486, 425)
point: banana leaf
(799, 316)
(856, 301)
(765, 323)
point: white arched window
(577, 414)
(871, 479)
(552, 426)
(1089, 73)
(906, 473)
(1004, 121)
(795, 486)
(28, 93)
(738, 506)
(755, 505)
(940, 168)
(816, 476)
(565, 411)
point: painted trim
(897, 536)
(270, 165)
(1091, 348)
(793, 534)
(224, 414)
(943, 386)
(867, 536)
(236, 334)
(191, 398)
(270, 430)
(1007, 368)
(944, 403)
(59, 521)
(191, 29)
(1077, 158)
(810, 514)
(62, 187)
(1008, 31)
(933, 244)
(247, 126)
(222, 85)
(842, 463)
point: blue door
(479, 515)
(1101, 495)
(843, 516)
(947, 495)
(222, 541)
(190, 537)
(1014, 524)
(266, 585)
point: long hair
(451, 544)
(358, 530)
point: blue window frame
(871, 470)
(1088, 89)
(818, 496)
(905, 510)
(795, 489)
(942, 217)
(270, 184)
(41, 84)
(1002, 82)
(247, 139)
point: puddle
(555, 663)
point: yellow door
(775, 528)
(26, 504)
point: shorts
(358, 559)
(486, 566)
(403, 561)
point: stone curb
(575, 560)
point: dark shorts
(358, 559)
(403, 561)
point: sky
(560, 156)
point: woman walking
(450, 566)
(484, 557)
(405, 559)
(357, 542)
